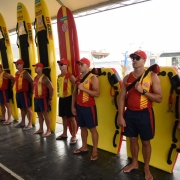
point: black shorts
(65, 107)
(4, 96)
(23, 99)
(87, 116)
(140, 123)
(41, 104)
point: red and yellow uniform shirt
(22, 85)
(136, 101)
(40, 89)
(84, 99)
(3, 82)
(64, 85)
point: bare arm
(73, 109)
(9, 76)
(72, 80)
(29, 78)
(95, 87)
(121, 103)
(49, 85)
(156, 95)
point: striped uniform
(139, 115)
(65, 95)
(86, 107)
(23, 97)
(4, 93)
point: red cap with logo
(19, 61)
(139, 53)
(84, 61)
(63, 61)
(38, 65)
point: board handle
(115, 121)
(174, 139)
(114, 138)
(169, 161)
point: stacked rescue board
(6, 58)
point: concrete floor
(32, 157)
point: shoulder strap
(155, 68)
(83, 79)
(133, 84)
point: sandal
(94, 158)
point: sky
(151, 26)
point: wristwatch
(144, 92)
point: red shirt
(83, 99)
(44, 92)
(136, 101)
(5, 82)
(25, 84)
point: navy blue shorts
(65, 107)
(87, 116)
(23, 99)
(41, 104)
(140, 123)
(4, 96)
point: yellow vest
(64, 85)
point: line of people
(76, 98)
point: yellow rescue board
(5, 34)
(110, 137)
(167, 137)
(24, 28)
(43, 23)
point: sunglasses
(80, 64)
(136, 58)
(60, 64)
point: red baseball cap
(63, 61)
(19, 61)
(84, 61)
(139, 53)
(38, 65)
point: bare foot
(130, 168)
(46, 134)
(148, 175)
(38, 132)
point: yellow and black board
(46, 51)
(110, 137)
(6, 58)
(26, 44)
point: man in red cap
(83, 104)
(42, 98)
(138, 118)
(4, 94)
(65, 83)
(23, 94)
